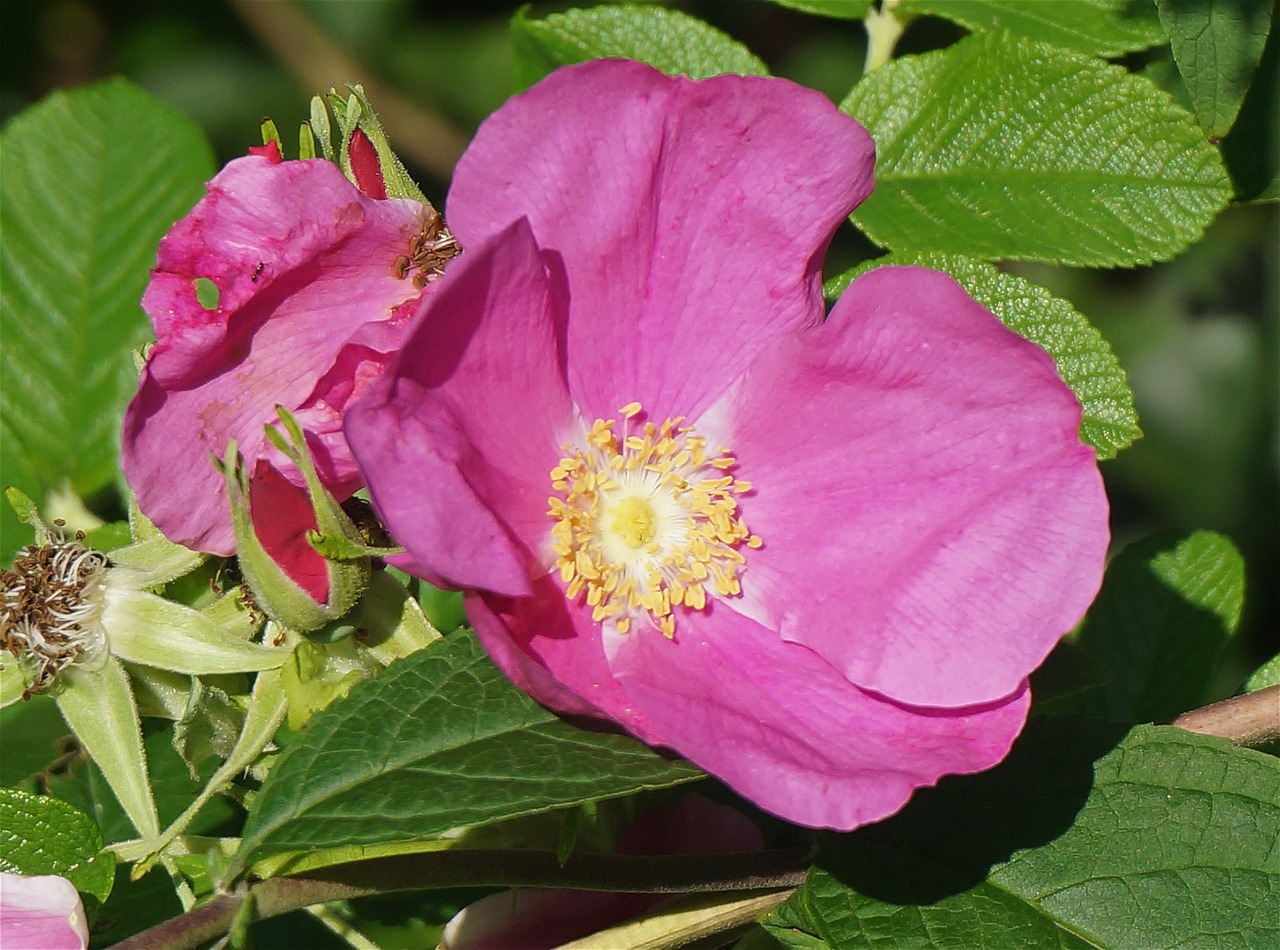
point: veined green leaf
(439, 740)
(1268, 674)
(1005, 148)
(838, 9)
(1166, 840)
(1168, 607)
(1084, 359)
(1104, 27)
(42, 835)
(669, 40)
(89, 180)
(1217, 47)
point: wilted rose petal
(314, 284)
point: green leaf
(1252, 148)
(669, 40)
(1268, 674)
(1004, 148)
(1217, 45)
(89, 180)
(1104, 27)
(1084, 358)
(41, 835)
(1168, 607)
(838, 9)
(438, 741)
(1166, 840)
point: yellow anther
(645, 522)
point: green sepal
(99, 708)
(337, 538)
(306, 143)
(271, 134)
(261, 719)
(279, 596)
(315, 676)
(320, 126)
(392, 624)
(353, 113)
(150, 630)
(28, 512)
(156, 561)
(159, 694)
(13, 682)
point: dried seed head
(51, 611)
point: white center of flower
(51, 614)
(646, 520)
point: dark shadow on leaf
(1162, 651)
(948, 838)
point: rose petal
(458, 441)
(932, 523)
(41, 913)
(787, 731)
(301, 260)
(691, 218)
(553, 651)
(282, 515)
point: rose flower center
(647, 520)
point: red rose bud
(270, 151)
(366, 166)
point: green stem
(262, 719)
(651, 874)
(884, 29)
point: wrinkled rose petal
(41, 913)
(932, 454)
(538, 919)
(302, 263)
(673, 173)
(930, 523)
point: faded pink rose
(41, 913)
(313, 294)
(818, 558)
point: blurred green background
(1198, 336)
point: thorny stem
(884, 28)
(652, 874)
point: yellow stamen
(646, 521)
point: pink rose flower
(315, 284)
(41, 913)
(539, 919)
(817, 558)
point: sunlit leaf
(1106, 27)
(438, 741)
(666, 39)
(1004, 148)
(90, 180)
